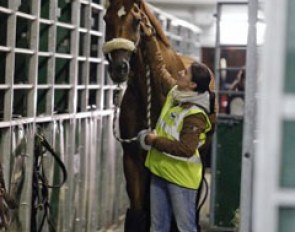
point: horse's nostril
(123, 67)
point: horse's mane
(155, 22)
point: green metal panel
(23, 30)
(44, 13)
(3, 29)
(20, 104)
(43, 34)
(25, 6)
(1, 104)
(65, 11)
(2, 67)
(42, 70)
(62, 71)
(41, 101)
(287, 171)
(63, 40)
(286, 220)
(21, 69)
(61, 101)
(290, 49)
(4, 3)
(228, 171)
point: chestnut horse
(124, 50)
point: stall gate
(53, 82)
(230, 62)
(274, 182)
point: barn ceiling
(198, 12)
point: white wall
(200, 14)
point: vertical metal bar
(112, 171)
(70, 152)
(108, 172)
(267, 190)
(101, 70)
(98, 172)
(88, 170)
(75, 52)
(64, 189)
(6, 153)
(86, 45)
(92, 209)
(83, 177)
(70, 155)
(215, 142)
(8, 97)
(249, 131)
(33, 69)
(9, 77)
(25, 201)
(51, 61)
(78, 179)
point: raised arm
(155, 58)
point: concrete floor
(120, 227)
(204, 217)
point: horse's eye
(136, 9)
(136, 22)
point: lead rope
(149, 96)
(117, 104)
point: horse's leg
(137, 180)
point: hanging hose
(206, 187)
(40, 192)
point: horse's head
(122, 36)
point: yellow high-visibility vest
(185, 172)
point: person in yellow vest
(173, 157)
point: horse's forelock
(118, 4)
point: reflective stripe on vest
(183, 171)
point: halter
(118, 43)
(117, 103)
(123, 43)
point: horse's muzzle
(119, 71)
(122, 68)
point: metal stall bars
(230, 60)
(274, 185)
(52, 76)
(250, 121)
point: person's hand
(146, 26)
(150, 138)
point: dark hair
(201, 75)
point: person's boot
(136, 221)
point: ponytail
(212, 102)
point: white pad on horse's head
(118, 43)
(106, 4)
